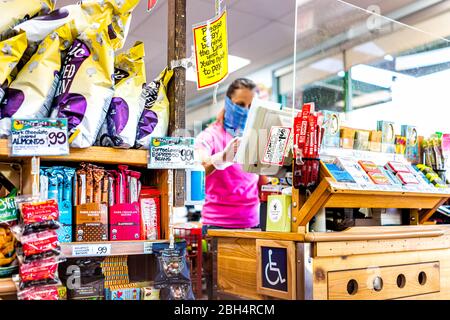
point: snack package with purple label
(154, 121)
(31, 94)
(11, 50)
(119, 129)
(16, 11)
(86, 86)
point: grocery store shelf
(103, 155)
(116, 248)
(7, 287)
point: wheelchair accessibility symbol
(273, 272)
(274, 268)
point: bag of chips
(11, 50)
(86, 87)
(119, 129)
(154, 121)
(47, 292)
(31, 94)
(39, 245)
(39, 272)
(16, 11)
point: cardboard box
(125, 222)
(375, 141)
(91, 221)
(347, 138)
(279, 213)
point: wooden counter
(411, 261)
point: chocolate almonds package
(11, 50)
(16, 11)
(86, 87)
(119, 129)
(154, 121)
(30, 95)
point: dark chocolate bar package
(172, 263)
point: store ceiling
(259, 30)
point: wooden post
(177, 87)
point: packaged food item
(154, 121)
(375, 141)
(119, 129)
(11, 50)
(176, 291)
(431, 176)
(379, 178)
(38, 215)
(369, 166)
(8, 209)
(361, 140)
(62, 292)
(172, 264)
(387, 136)
(397, 167)
(46, 292)
(39, 272)
(31, 93)
(124, 222)
(91, 221)
(149, 202)
(407, 178)
(40, 245)
(16, 11)
(400, 144)
(7, 247)
(86, 88)
(150, 293)
(347, 138)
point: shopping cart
(192, 233)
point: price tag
(39, 137)
(148, 247)
(90, 250)
(171, 153)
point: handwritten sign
(277, 143)
(39, 137)
(171, 153)
(211, 51)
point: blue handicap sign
(274, 268)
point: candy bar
(81, 184)
(98, 175)
(105, 188)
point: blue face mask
(235, 118)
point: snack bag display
(37, 215)
(172, 263)
(16, 11)
(178, 291)
(154, 121)
(48, 292)
(40, 245)
(31, 94)
(39, 272)
(119, 129)
(11, 50)
(86, 87)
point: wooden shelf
(103, 155)
(288, 236)
(118, 248)
(326, 195)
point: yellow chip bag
(86, 87)
(11, 50)
(16, 11)
(154, 120)
(119, 129)
(31, 93)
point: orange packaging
(369, 166)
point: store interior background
(368, 68)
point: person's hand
(225, 158)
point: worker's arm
(220, 160)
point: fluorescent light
(234, 63)
(424, 59)
(341, 74)
(329, 65)
(376, 76)
(388, 57)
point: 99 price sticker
(91, 250)
(39, 137)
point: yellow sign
(211, 51)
